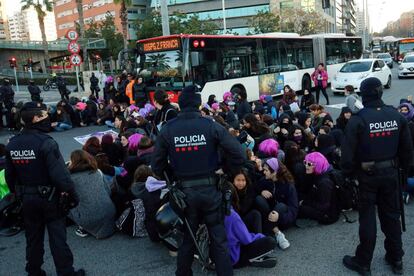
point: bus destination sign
(162, 45)
(407, 40)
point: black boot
(352, 264)
(396, 266)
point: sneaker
(282, 242)
(173, 253)
(352, 264)
(406, 198)
(80, 272)
(396, 266)
(266, 262)
(81, 233)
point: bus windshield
(408, 59)
(355, 67)
(164, 67)
(406, 47)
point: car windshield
(408, 59)
(354, 67)
(384, 56)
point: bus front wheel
(306, 83)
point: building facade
(238, 12)
(345, 16)
(24, 26)
(66, 14)
(3, 21)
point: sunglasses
(308, 164)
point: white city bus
(259, 64)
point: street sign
(72, 35)
(73, 47)
(75, 59)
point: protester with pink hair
(270, 148)
(320, 202)
(133, 142)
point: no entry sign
(72, 35)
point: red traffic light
(13, 62)
(98, 57)
(196, 43)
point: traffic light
(13, 62)
(29, 62)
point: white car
(354, 72)
(406, 68)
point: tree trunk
(79, 4)
(124, 23)
(44, 40)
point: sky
(380, 11)
(383, 11)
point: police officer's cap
(371, 88)
(32, 106)
(190, 97)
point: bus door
(236, 63)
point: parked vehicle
(354, 72)
(386, 57)
(406, 68)
(50, 84)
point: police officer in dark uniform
(36, 173)
(63, 90)
(377, 144)
(191, 143)
(94, 85)
(7, 96)
(34, 91)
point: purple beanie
(107, 139)
(269, 147)
(321, 165)
(273, 163)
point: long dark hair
(80, 160)
(255, 125)
(92, 146)
(246, 176)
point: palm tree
(41, 7)
(124, 19)
(79, 4)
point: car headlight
(363, 76)
(401, 68)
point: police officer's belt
(205, 181)
(43, 191)
(369, 166)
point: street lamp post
(223, 4)
(164, 18)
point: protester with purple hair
(270, 148)
(320, 202)
(133, 142)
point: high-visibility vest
(129, 91)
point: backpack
(346, 192)
(131, 221)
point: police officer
(36, 172)
(377, 143)
(34, 91)
(191, 143)
(7, 96)
(63, 90)
(94, 85)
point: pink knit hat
(321, 165)
(215, 106)
(269, 147)
(227, 96)
(80, 106)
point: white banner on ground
(82, 139)
(337, 106)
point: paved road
(316, 250)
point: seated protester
(285, 109)
(63, 121)
(93, 147)
(298, 135)
(270, 148)
(289, 96)
(218, 119)
(115, 112)
(211, 100)
(246, 248)
(307, 100)
(320, 203)
(103, 114)
(112, 150)
(119, 123)
(80, 108)
(148, 188)
(324, 130)
(165, 111)
(258, 130)
(320, 117)
(343, 118)
(243, 107)
(268, 120)
(95, 213)
(205, 112)
(74, 116)
(352, 100)
(258, 107)
(228, 115)
(91, 110)
(109, 89)
(243, 138)
(123, 139)
(246, 193)
(294, 157)
(282, 130)
(305, 121)
(145, 150)
(325, 144)
(278, 201)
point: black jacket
(242, 109)
(34, 89)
